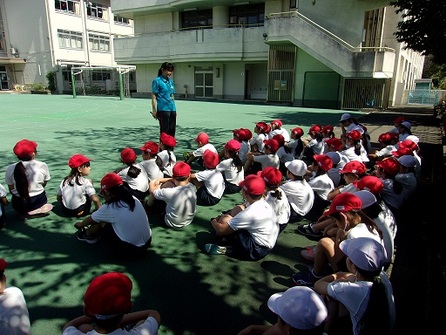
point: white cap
(367, 198)
(413, 138)
(344, 117)
(297, 167)
(365, 253)
(300, 307)
(407, 161)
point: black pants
(168, 122)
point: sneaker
(306, 230)
(82, 236)
(213, 249)
(309, 253)
(304, 278)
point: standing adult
(163, 102)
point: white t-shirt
(152, 169)
(166, 165)
(321, 185)
(259, 141)
(245, 147)
(355, 297)
(299, 194)
(131, 227)
(74, 196)
(37, 173)
(148, 327)
(140, 183)
(281, 131)
(351, 155)
(268, 160)
(200, 151)
(260, 221)
(281, 207)
(14, 316)
(3, 193)
(386, 151)
(181, 204)
(213, 181)
(230, 171)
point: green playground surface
(195, 293)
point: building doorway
(4, 82)
(204, 82)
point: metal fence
(425, 97)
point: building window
(69, 6)
(247, 14)
(69, 39)
(196, 18)
(99, 42)
(121, 20)
(100, 75)
(97, 10)
(293, 4)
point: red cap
(272, 145)
(408, 144)
(248, 134)
(385, 137)
(344, 202)
(210, 159)
(389, 165)
(399, 119)
(298, 131)
(24, 148)
(203, 138)
(240, 133)
(181, 169)
(108, 295)
(253, 185)
(150, 147)
(232, 145)
(327, 129)
(356, 167)
(402, 151)
(263, 126)
(372, 184)
(335, 143)
(354, 135)
(315, 129)
(168, 140)
(280, 139)
(324, 162)
(128, 155)
(271, 176)
(277, 123)
(109, 180)
(78, 160)
(3, 264)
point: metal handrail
(325, 31)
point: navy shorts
(121, 248)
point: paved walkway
(418, 273)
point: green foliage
(422, 26)
(51, 77)
(38, 87)
(436, 72)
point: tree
(423, 26)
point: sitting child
(76, 192)
(202, 140)
(133, 175)
(210, 183)
(107, 309)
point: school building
(53, 36)
(310, 53)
